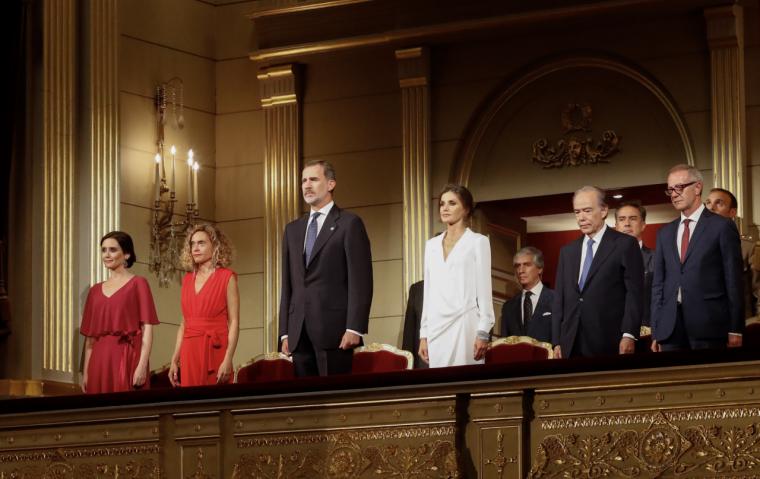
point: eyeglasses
(678, 189)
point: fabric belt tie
(212, 338)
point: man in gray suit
(631, 219)
(326, 280)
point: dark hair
(327, 168)
(633, 204)
(125, 243)
(464, 196)
(734, 203)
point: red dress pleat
(204, 343)
(115, 323)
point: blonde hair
(222, 254)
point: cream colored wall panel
(350, 74)
(686, 78)
(247, 237)
(138, 129)
(453, 106)
(754, 174)
(137, 170)
(440, 166)
(250, 344)
(752, 74)
(700, 130)
(237, 88)
(240, 138)
(164, 339)
(142, 66)
(384, 228)
(206, 193)
(387, 296)
(367, 177)
(355, 124)
(753, 135)
(388, 330)
(251, 300)
(136, 221)
(240, 192)
(233, 30)
(168, 300)
(180, 24)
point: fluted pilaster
(725, 36)
(59, 140)
(414, 76)
(280, 100)
(103, 120)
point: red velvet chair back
(751, 338)
(517, 348)
(268, 367)
(377, 358)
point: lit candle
(195, 185)
(173, 188)
(158, 177)
(190, 176)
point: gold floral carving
(662, 449)
(500, 462)
(200, 469)
(341, 455)
(356, 436)
(648, 417)
(575, 149)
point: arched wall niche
(495, 157)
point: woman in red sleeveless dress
(208, 335)
(117, 323)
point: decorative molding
(500, 461)
(416, 432)
(414, 80)
(662, 449)
(59, 138)
(647, 417)
(725, 37)
(574, 150)
(280, 99)
(341, 454)
(103, 36)
(467, 152)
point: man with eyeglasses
(696, 290)
(723, 202)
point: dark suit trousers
(680, 340)
(309, 361)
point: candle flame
(158, 158)
(174, 150)
(196, 166)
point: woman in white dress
(457, 311)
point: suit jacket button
(580, 299)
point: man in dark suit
(631, 219)
(598, 299)
(326, 280)
(697, 287)
(530, 312)
(411, 340)
(723, 202)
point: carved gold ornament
(663, 449)
(341, 455)
(574, 149)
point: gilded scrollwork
(576, 149)
(342, 455)
(662, 449)
(500, 461)
(647, 417)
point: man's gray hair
(600, 193)
(538, 256)
(694, 173)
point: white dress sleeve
(425, 295)
(483, 286)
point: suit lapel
(672, 241)
(299, 235)
(328, 228)
(698, 232)
(540, 303)
(606, 246)
(575, 260)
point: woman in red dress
(208, 335)
(117, 323)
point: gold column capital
(280, 85)
(413, 66)
(725, 26)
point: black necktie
(527, 307)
